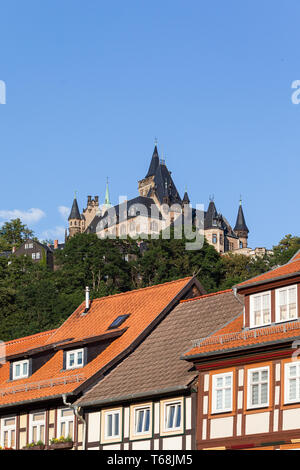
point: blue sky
(91, 83)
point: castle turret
(74, 219)
(241, 228)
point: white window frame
(21, 364)
(105, 438)
(38, 424)
(214, 409)
(76, 365)
(165, 405)
(286, 382)
(252, 297)
(277, 309)
(134, 413)
(9, 429)
(259, 383)
(65, 420)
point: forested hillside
(33, 298)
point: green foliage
(13, 233)
(33, 298)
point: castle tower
(241, 228)
(107, 203)
(74, 219)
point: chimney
(55, 244)
(87, 298)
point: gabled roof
(292, 268)
(145, 308)
(155, 366)
(74, 214)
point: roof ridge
(143, 288)
(24, 338)
(199, 297)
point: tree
(13, 234)
(285, 249)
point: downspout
(76, 408)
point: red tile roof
(292, 267)
(143, 305)
(232, 336)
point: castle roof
(240, 221)
(74, 214)
(154, 163)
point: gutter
(76, 409)
(239, 287)
(34, 400)
(136, 395)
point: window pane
(140, 420)
(147, 421)
(178, 418)
(116, 430)
(13, 438)
(67, 412)
(109, 425)
(171, 416)
(63, 429)
(264, 375)
(228, 398)
(42, 433)
(254, 395)
(25, 368)
(5, 438)
(79, 357)
(38, 417)
(17, 370)
(228, 380)
(292, 389)
(71, 359)
(34, 434)
(9, 422)
(219, 381)
(70, 430)
(255, 376)
(264, 394)
(219, 404)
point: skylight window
(118, 321)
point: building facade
(248, 384)
(42, 376)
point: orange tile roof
(292, 267)
(232, 336)
(143, 305)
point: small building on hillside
(36, 251)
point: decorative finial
(75, 194)
(155, 141)
(240, 199)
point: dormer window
(286, 304)
(20, 369)
(74, 359)
(260, 309)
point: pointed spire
(74, 214)
(107, 203)
(240, 220)
(186, 199)
(154, 162)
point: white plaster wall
(94, 427)
(188, 413)
(156, 444)
(291, 419)
(257, 423)
(205, 405)
(188, 442)
(126, 446)
(141, 445)
(277, 394)
(126, 421)
(172, 443)
(156, 418)
(240, 400)
(206, 382)
(112, 447)
(276, 420)
(241, 377)
(239, 425)
(221, 427)
(204, 429)
(277, 372)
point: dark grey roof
(156, 364)
(240, 221)
(74, 214)
(186, 199)
(154, 163)
(140, 205)
(164, 185)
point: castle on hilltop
(147, 213)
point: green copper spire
(107, 200)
